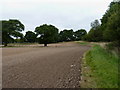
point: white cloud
(74, 14)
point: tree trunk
(5, 44)
(45, 45)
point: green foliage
(95, 34)
(11, 28)
(48, 34)
(109, 30)
(30, 37)
(66, 35)
(80, 34)
(95, 25)
(70, 35)
(111, 25)
(111, 22)
(104, 66)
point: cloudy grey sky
(64, 14)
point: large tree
(95, 33)
(66, 35)
(47, 34)
(112, 25)
(95, 25)
(30, 37)
(11, 28)
(79, 34)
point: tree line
(43, 34)
(108, 30)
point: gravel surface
(55, 66)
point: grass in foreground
(104, 67)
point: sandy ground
(55, 66)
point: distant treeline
(43, 34)
(108, 30)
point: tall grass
(104, 67)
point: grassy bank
(103, 66)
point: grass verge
(102, 68)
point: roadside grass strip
(103, 66)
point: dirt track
(56, 66)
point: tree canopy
(80, 34)
(30, 36)
(111, 22)
(11, 28)
(107, 30)
(47, 34)
(66, 35)
(95, 33)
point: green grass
(104, 67)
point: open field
(55, 66)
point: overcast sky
(64, 14)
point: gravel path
(55, 66)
